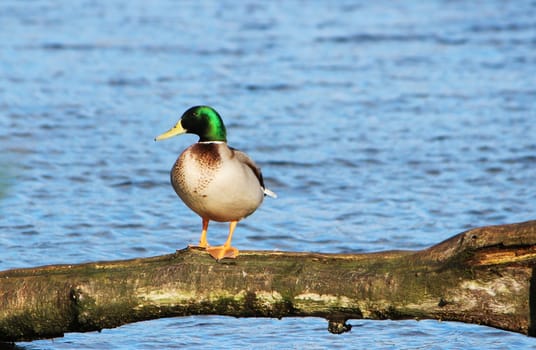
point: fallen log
(484, 276)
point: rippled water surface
(381, 125)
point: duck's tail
(269, 193)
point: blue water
(381, 125)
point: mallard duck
(216, 181)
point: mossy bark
(484, 276)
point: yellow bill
(174, 131)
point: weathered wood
(484, 276)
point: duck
(216, 181)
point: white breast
(215, 184)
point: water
(380, 125)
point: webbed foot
(222, 252)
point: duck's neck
(213, 128)
(207, 142)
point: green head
(203, 121)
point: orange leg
(203, 240)
(225, 250)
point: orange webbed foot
(222, 252)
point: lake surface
(381, 125)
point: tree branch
(484, 276)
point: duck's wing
(244, 158)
